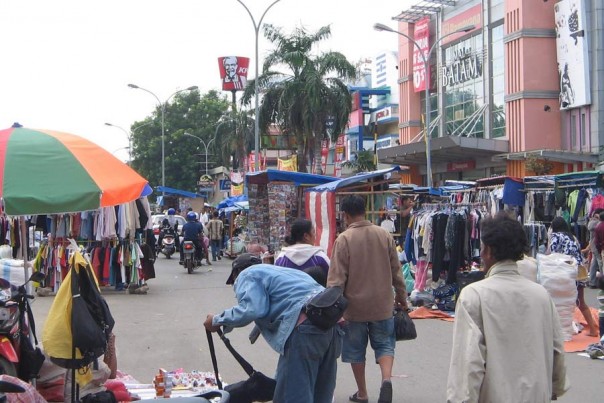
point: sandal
(385, 392)
(355, 398)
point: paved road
(163, 329)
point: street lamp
(426, 60)
(129, 136)
(206, 146)
(257, 123)
(162, 106)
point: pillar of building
(409, 100)
(531, 80)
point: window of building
(573, 132)
(497, 83)
(462, 77)
(583, 132)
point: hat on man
(242, 262)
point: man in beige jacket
(365, 264)
(507, 341)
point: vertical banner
(233, 72)
(324, 155)
(339, 157)
(421, 33)
(573, 53)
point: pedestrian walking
(365, 264)
(507, 340)
(215, 228)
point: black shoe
(386, 392)
(219, 258)
(181, 262)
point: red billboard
(421, 35)
(233, 72)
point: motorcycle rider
(173, 224)
(166, 229)
(192, 231)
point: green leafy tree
(235, 137)
(364, 162)
(303, 93)
(188, 113)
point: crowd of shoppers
(507, 342)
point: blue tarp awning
(299, 178)
(231, 201)
(340, 183)
(178, 192)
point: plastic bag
(558, 274)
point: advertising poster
(339, 157)
(233, 72)
(289, 164)
(421, 35)
(324, 155)
(572, 52)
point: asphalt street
(163, 329)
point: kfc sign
(233, 72)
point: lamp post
(426, 60)
(129, 136)
(162, 107)
(206, 146)
(257, 111)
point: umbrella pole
(24, 248)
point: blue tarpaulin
(299, 178)
(231, 201)
(340, 183)
(178, 192)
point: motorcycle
(168, 246)
(14, 325)
(189, 260)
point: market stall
(276, 198)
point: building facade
(498, 99)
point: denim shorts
(356, 335)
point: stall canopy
(234, 201)
(358, 178)
(321, 205)
(298, 178)
(177, 192)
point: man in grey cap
(274, 297)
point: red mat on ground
(427, 313)
(580, 341)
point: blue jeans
(356, 335)
(215, 245)
(306, 372)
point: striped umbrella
(49, 172)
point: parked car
(158, 218)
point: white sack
(558, 274)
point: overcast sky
(66, 63)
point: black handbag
(257, 388)
(326, 308)
(404, 327)
(31, 358)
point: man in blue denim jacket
(273, 298)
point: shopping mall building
(525, 86)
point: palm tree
(235, 137)
(364, 162)
(303, 94)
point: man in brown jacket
(365, 264)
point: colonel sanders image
(233, 80)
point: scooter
(168, 247)
(189, 260)
(14, 313)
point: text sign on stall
(421, 34)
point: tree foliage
(303, 93)
(363, 162)
(188, 112)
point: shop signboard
(461, 166)
(465, 66)
(225, 185)
(421, 33)
(233, 72)
(324, 154)
(206, 180)
(470, 17)
(573, 53)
